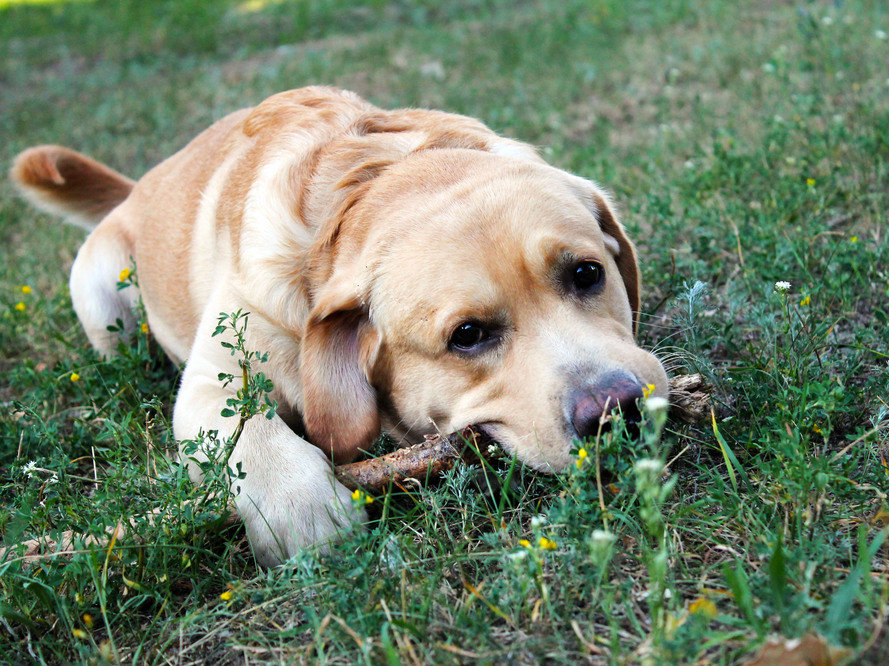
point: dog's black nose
(612, 391)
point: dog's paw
(294, 507)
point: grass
(747, 143)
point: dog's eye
(586, 276)
(470, 336)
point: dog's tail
(64, 182)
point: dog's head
(466, 288)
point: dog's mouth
(493, 435)
(490, 435)
(483, 437)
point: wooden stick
(689, 399)
(428, 459)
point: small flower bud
(657, 404)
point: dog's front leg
(288, 497)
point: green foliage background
(746, 143)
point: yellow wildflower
(703, 606)
(144, 328)
(124, 274)
(79, 633)
(547, 544)
(20, 306)
(806, 301)
(854, 239)
(88, 620)
(810, 182)
(817, 428)
(359, 496)
(647, 390)
(26, 289)
(581, 456)
(226, 596)
(524, 543)
(75, 377)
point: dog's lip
(483, 428)
(488, 430)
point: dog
(407, 271)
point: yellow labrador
(408, 271)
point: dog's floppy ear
(338, 349)
(624, 253)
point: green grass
(747, 143)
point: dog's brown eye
(586, 276)
(469, 336)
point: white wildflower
(538, 521)
(657, 404)
(648, 466)
(601, 544)
(782, 286)
(53, 479)
(880, 34)
(602, 537)
(768, 68)
(827, 20)
(30, 468)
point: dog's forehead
(486, 239)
